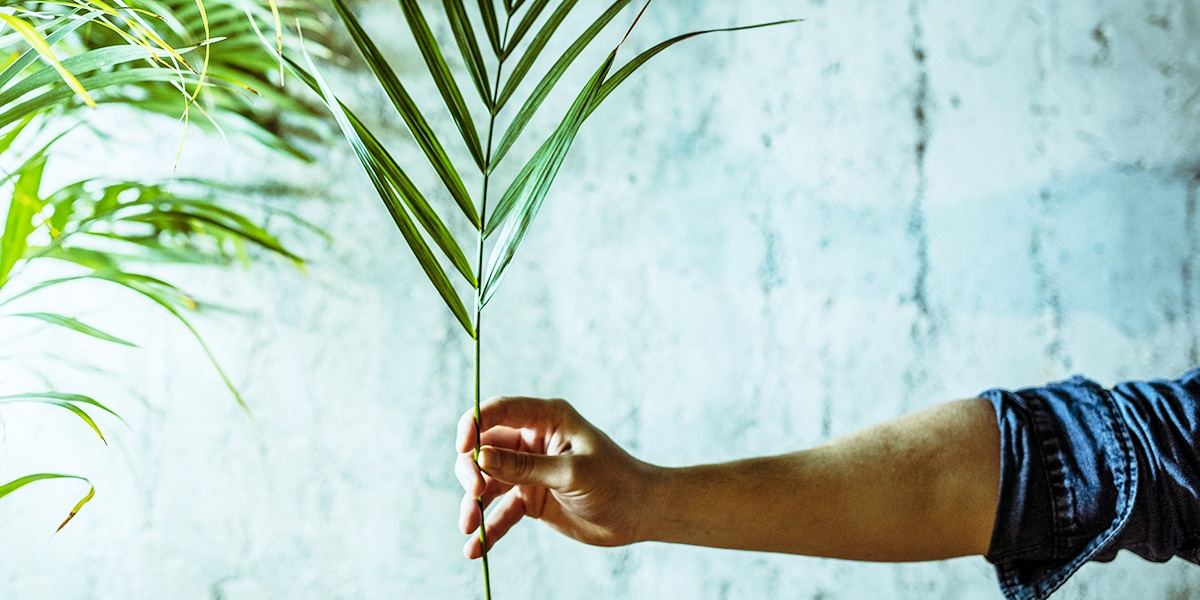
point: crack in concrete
(1048, 292)
(923, 327)
(1186, 275)
(826, 394)
(1046, 285)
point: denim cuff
(1068, 482)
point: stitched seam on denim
(1053, 470)
(1124, 467)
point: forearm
(921, 487)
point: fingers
(507, 513)
(468, 512)
(516, 412)
(468, 475)
(476, 485)
(524, 468)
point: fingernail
(488, 458)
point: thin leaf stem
(487, 172)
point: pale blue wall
(749, 255)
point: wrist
(655, 504)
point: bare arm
(921, 487)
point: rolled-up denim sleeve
(1086, 472)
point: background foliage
(65, 59)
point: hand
(550, 464)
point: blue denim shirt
(1086, 472)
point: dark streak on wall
(1048, 293)
(1043, 110)
(826, 395)
(1186, 268)
(923, 326)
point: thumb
(523, 468)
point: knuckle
(522, 465)
(559, 406)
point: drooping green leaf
(78, 507)
(416, 243)
(547, 83)
(538, 185)
(74, 325)
(469, 49)
(61, 397)
(10, 136)
(166, 296)
(63, 401)
(26, 202)
(101, 58)
(55, 97)
(21, 482)
(84, 257)
(60, 28)
(408, 110)
(443, 78)
(186, 221)
(38, 43)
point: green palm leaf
(414, 201)
(61, 27)
(167, 296)
(39, 43)
(408, 110)
(25, 204)
(550, 79)
(82, 63)
(624, 72)
(64, 401)
(442, 77)
(535, 48)
(74, 325)
(55, 98)
(509, 199)
(490, 24)
(469, 48)
(416, 243)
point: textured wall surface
(764, 241)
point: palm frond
(524, 196)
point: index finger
(517, 412)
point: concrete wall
(765, 241)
